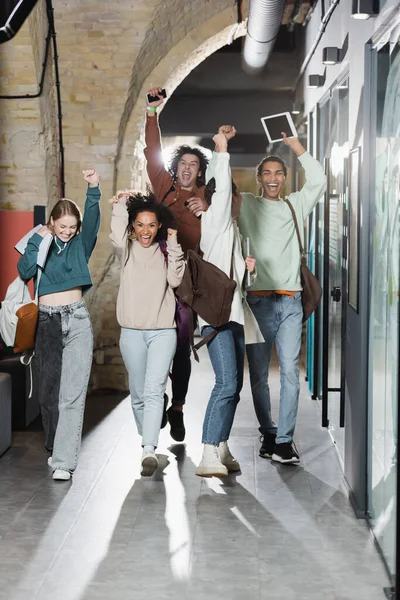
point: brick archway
(129, 169)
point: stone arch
(172, 68)
(129, 168)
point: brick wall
(26, 148)
(109, 55)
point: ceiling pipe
(265, 17)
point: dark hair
(138, 203)
(66, 207)
(271, 158)
(176, 157)
(210, 189)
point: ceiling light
(364, 9)
(331, 55)
(315, 81)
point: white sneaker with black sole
(286, 454)
(149, 464)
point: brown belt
(271, 293)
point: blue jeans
(147, 354)
(280, 320)
(226, 352)
(64, 347)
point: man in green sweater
(275, 297)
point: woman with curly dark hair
(146, 307)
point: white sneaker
(50, 461)
(227, 459)
(61, 475)
(210, 465)
(149, 464)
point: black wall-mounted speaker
(39, 215)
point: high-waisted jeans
(147, 354)
(64, 350)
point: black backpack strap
(171, 189)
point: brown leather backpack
(312, 290)
(208, 292)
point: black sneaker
(286, 453)
(175, 418)
(164, 420)
(267, 445)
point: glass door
(333, 150)
(312, 244)
(384, 305)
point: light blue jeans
(147, 355)
(64, 350)
(280, 320)
(226, 352)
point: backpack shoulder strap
(171, 189)
(296, 225)
(38, 276)
(164, 250)
(202, 342)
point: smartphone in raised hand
(162, 94)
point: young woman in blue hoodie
(64, 338)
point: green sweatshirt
(269, 226)
(66, 265)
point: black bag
(312, 290)
(208, 292)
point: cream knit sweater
(145, 298)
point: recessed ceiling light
(364, 9)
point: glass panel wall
(384, 308)
(333, 152)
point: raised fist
(228, 131)
(91, 176)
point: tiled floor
(275, 532)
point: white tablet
(275, 124)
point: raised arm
(161, 181)
(219, 215)
(315, 184)
(119, 224)
(91, 214)
(176, 261)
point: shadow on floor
(183, 537)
